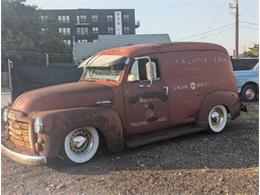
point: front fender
(58, 123)
(227, 98)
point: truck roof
(143, 49)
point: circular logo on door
(192, 86)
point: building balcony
(82, 24)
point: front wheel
(217, 119)
(81, 145)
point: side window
(138, 70)
(134, 72)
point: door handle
(166, 89)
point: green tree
(252, 51)
(52, 43)
(23, 38)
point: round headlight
(5, 114)
(38, 125)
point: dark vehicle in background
(248, 83)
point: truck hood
(71, 95)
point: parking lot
(200, 163)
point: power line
(245, 22)
(216, 33)
(216, 29)
(224, 35)
(249, 27)
(218, 12)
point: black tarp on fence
(28, 78)
(244, 64)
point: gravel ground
(199, 163)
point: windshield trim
(111, 65)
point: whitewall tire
(217, 118)
(81, 145)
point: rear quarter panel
(192, 75)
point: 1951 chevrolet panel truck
(129, 96)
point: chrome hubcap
(78, 141)
(217, 117)
(250, 94)
(81, 141)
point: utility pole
(237, 29)
(236, 7)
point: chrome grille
(19, 133)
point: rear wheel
(217, 119)
(81, 145)
(249, 93)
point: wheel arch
(227, 108)
(228, 99)
(57, 124)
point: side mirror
(150, 71)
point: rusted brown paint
(227, 98)
(144, 49)
(144, 97)
(77, 94)
(58, 123)
(198, 76)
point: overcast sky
(184, 20)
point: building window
(110, 30)
(110, 18)
(94, 18)
(63, 19)
(82, 41)
(44, 29)
(95, 40)
(126, 30)
(67, 42)
(95, 30)
(64, 31)
(82, 30)
(67, 19)
(43, 18)
(82, 19)
(126, 18)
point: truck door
(146, 103)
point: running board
(147, 138)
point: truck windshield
(107, 67)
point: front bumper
(22, 158)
